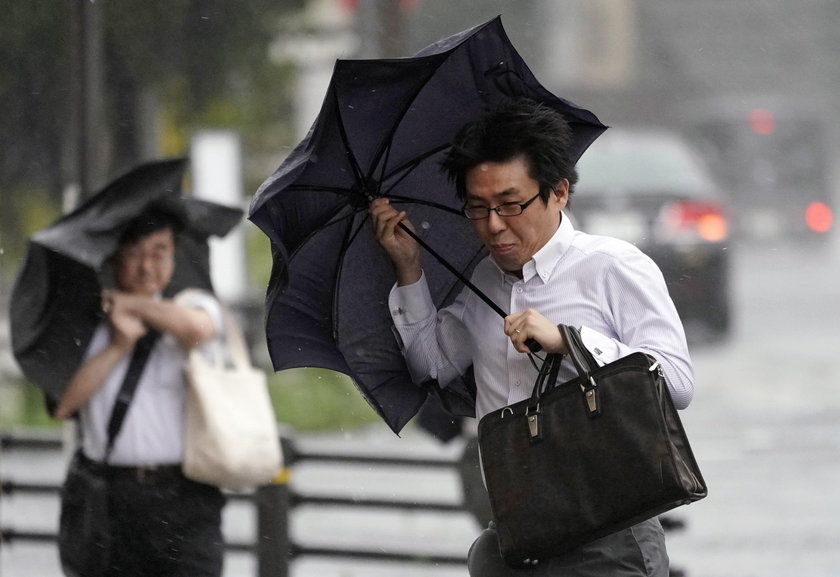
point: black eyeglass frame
(497, 209)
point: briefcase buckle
(590, 397)
(534, 423)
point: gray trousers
(635, 552)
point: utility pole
(380, 25)
(87, 145)
(89, 141)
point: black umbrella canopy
(55, 303)
(382, 131)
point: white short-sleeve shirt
(153, 430)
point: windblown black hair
(149, 221)
(519, 128)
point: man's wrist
(408, 276)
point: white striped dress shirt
(607, 287)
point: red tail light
(819, 217)
(693, 220)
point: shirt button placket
(517, 304)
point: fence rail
(273, 547)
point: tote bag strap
(234, 348)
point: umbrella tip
(366, 190)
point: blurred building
(634, 61)
(753, 83)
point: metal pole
(89, 152)
(380, 29)
(273, 504)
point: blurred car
(651, 188)
(774, 157)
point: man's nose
(495, 222)
(148, 263)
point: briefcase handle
(545, 378)
(584, 362)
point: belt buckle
(145, 475)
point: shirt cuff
(410, 304)
(603, 348)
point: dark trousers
(635, 552)
(165, 526)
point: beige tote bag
(231, 439)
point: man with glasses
(515, 173)
(162, 523)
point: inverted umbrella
(382, 131)
(55, 304)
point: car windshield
(627, 163)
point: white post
(217, 176)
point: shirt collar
(545, 260)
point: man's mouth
(501, 248)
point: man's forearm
(191, 326)
(87, 379)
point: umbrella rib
(354, 164)
(339, 190)
(349, 235)
(385, 152)
(407, 167)
(420, 201)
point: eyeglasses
(505, 209)
(158, 257)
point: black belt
(145, 474)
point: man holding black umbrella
(514, 171)
(161, 523)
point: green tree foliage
(34, 90)
(201, 63)
(206, 60)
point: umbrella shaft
(533, 345)
(454, 271)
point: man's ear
(561, 192)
